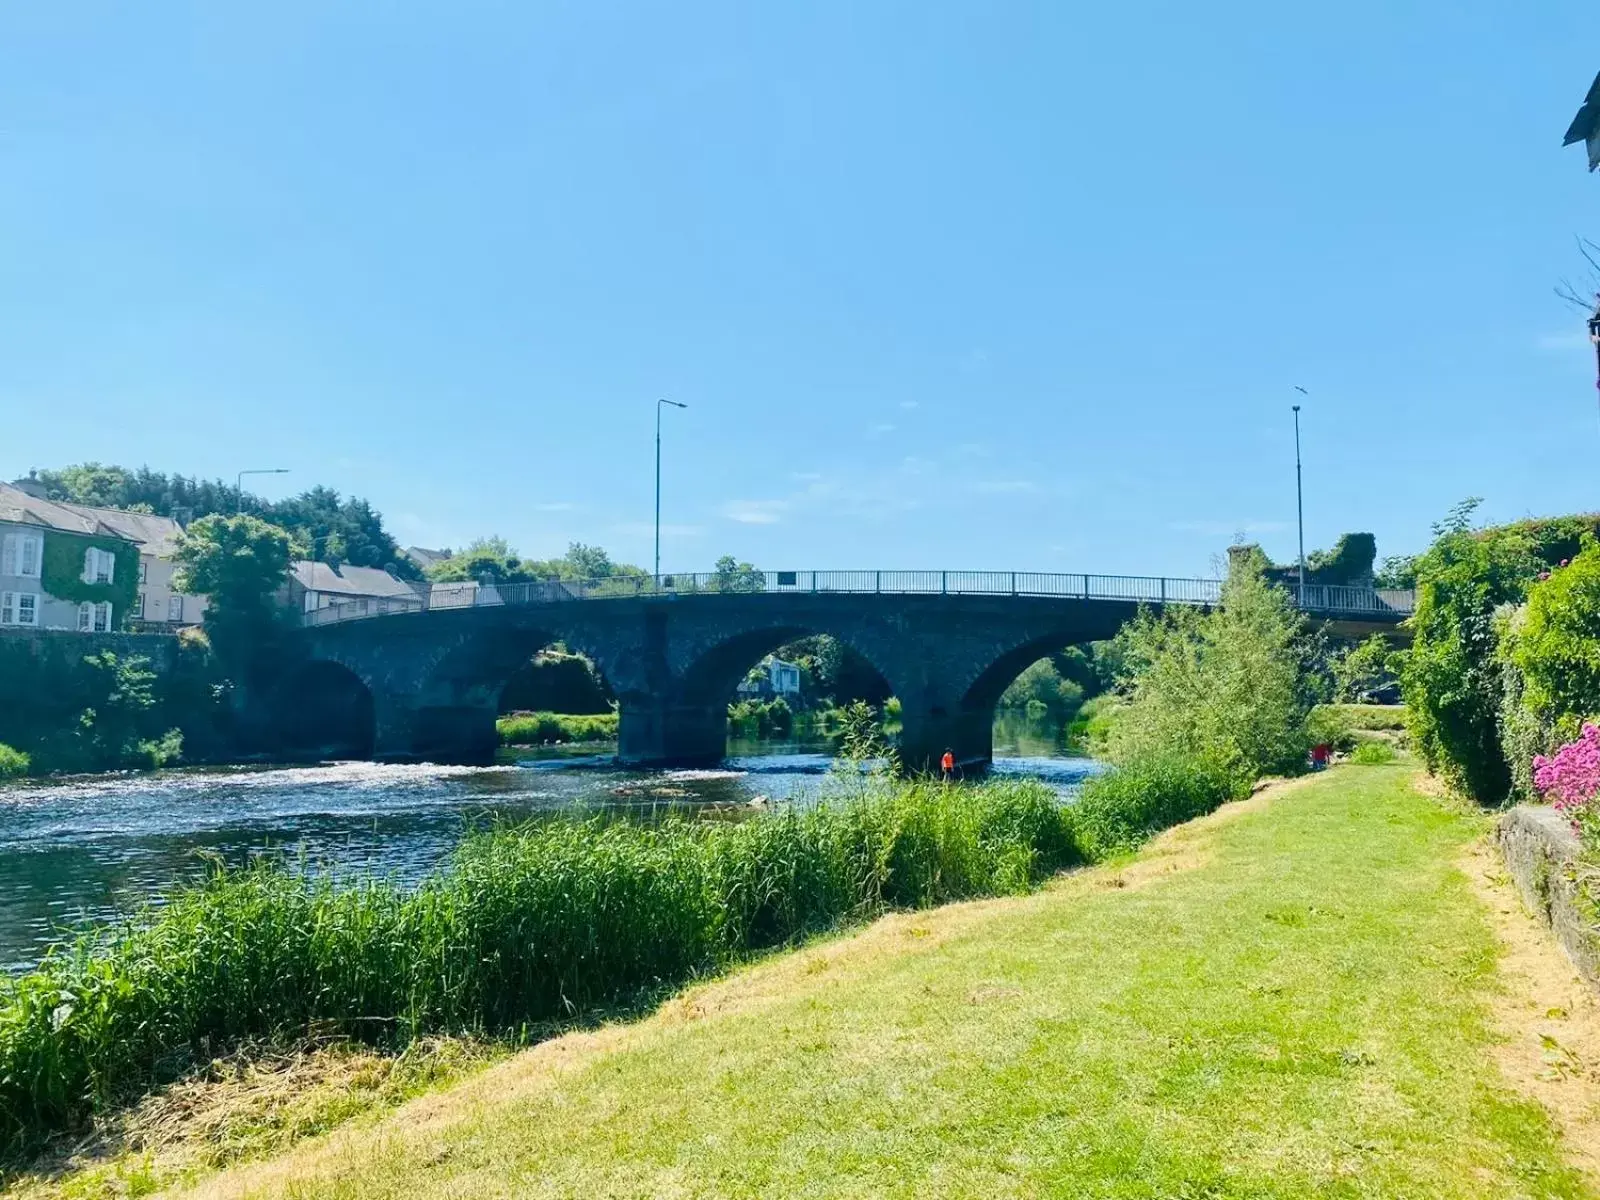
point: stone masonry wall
(1542, 854)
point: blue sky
(1012, 286)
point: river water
(91, 847)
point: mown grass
(526, 926)
(1290, 1002)
(545, 729)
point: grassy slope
(1284, 1000)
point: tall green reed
(525, 926)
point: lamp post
(659, 403)
(238, 483)
(1299, 495)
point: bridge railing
(1319, 598)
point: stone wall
(1541, 853)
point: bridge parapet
(1327, 600)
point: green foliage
(761, 718)
(330, 528)
(12, 762)
(1118, 811)
(1228, 689)
(1372, 754)
(1556, 642)
(862, 738)
(494, 561)
(1451, 678)
(1348, 563)
(240, 563)
(1090, 731)
(61, 571)
(1388, 717)
(557, 681)
(526, 925)
(1363, 667)
(1398, 572)
(105, 711)
(733, 576)
(1041, 691)
(546, 728)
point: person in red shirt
(947, 765)
(1320, 753)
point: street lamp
(238, 484)
(659, 403)
(1299, 494)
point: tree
(493, 560)
(1228, 688)
(734, 576)
(331, 529)
(239, 563)
(1362, 667)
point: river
(89, 848)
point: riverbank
(1299, 995)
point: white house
(777, 678)
(157, 602)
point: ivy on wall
(61, 573)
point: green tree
(1556, 641)
(1362, 667)
(239, 563)
(731, 575)
(331, 528)
(1451, 678)
(1228, 688)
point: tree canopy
(494, 560)
(325, 526)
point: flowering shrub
(1570, 778)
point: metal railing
(1324, 599)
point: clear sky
(989, 285)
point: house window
(144, 571)
(174, 608)
(20, 554)
(98, 565)
(94, 618)
(138, 607)
(19, 608)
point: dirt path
(1549, 1018)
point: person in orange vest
(947, 764)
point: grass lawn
(1291, 998)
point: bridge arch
(322, 709)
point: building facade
(60, 569)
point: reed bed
(525, 926)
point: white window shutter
(8, 554)
(110, 560)
(88, 565)
(85, 617)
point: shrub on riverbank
(525, 926)
(761, 718)
(12, 762)
(542, 728)
(1120, 810)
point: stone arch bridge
(674, 649)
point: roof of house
(158, 534)
(424, 557)
(346, 580)
(20, 508)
